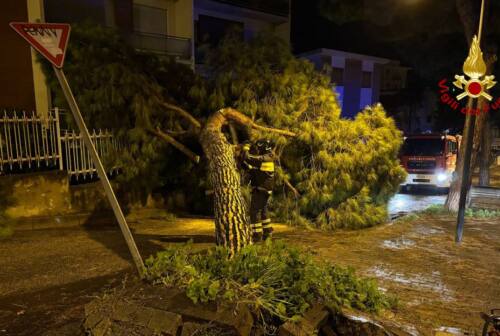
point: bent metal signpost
(51, 40)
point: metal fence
(30, 143)
(77, 160)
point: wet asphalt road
(415, 201)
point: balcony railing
(276, 7)
(162, 44)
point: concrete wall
(47, 200)
(49, 194)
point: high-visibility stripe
(256, 227)
(265, 221)
(267, 166)
(246, 147)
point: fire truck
(429, 160)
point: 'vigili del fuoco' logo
(474, 87)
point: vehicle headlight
(441, 177)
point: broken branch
(183, 113)
(240, 118)
(186, 151)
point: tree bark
(454, 193)
(231, 221)
(453, 198)
(485, 154)
(468, 13)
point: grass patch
(275, 279)
(435, 209)
(482, 213)
(407, 218)
(470, 213)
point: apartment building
(169, 28)
(213, 19)
(164, 27)
(359, 79)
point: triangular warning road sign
(50, 39)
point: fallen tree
(336, 172)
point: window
(150, 20)
(452, 146)
(423, 147)
(338, 76)
(366, 80)
(211, 30)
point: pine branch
(183, 113)
(186, 151)
(240, 118)
(292, 188)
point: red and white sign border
(63, 42)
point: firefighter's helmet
(264, 146)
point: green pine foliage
(121, 89)
(274, 278)
(345, 170)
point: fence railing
(28, 143)
(77, 159)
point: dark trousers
(258, 211)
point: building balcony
(177, 47)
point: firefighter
(259, 159)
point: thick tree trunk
(231, 221)
(485, 155)
(454, 193)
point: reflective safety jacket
(261, 168)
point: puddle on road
(450, 331)
(428, 231)
(398, 244)
(432, 282)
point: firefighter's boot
(256, 232)
(267, 229)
